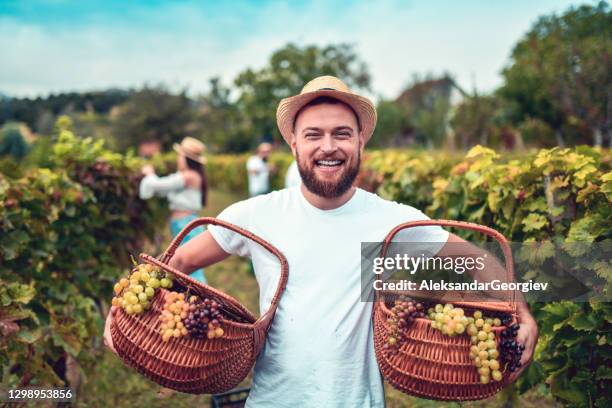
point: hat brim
(289, 107)
(200, 159)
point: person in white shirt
(292, 177)
(259, 171)
(319, 351)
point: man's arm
(528, 332)
(199, 252)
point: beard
(328, 189)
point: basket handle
(266, 318)
(503, 242)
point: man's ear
(292, 144)
(361, 141)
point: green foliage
(12, 142)
(219, 121)
(553, 194)
(153, 114)
(287, 71)
(391, 121)
(39, 112)
(65, 235)
(560, 71)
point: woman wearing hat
(186, 189)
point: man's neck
(323, 203)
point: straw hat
(325, 86)
(191, 148)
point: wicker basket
(430, 364)
(190, 365)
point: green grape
(497, 375)
(142, 297)
(494, 364)
(149, 291)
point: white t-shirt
(258, 182)
(293, 178)
(320, 348)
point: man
(319, 351)
(258, 170)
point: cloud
(184, 44)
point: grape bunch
(450, 320)
(175, 310)
(134, 293)
(511, 350)
(203, 318)
(484, 352)
(404, 311)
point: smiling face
(327, 144)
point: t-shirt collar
(335, 211)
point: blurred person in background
(258, 170)
(186, 190)
(293, 178)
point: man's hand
(108, 340)
(527, 336)
(147, 169)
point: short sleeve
(152, 184)
(230, 241)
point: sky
(50, 46)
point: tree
(218, 121)
(391, 121)
(426, 104)
(153, 114)
(12, 142)
(560, 72)
(288, 70)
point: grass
(110, 383)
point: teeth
(329, 162)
